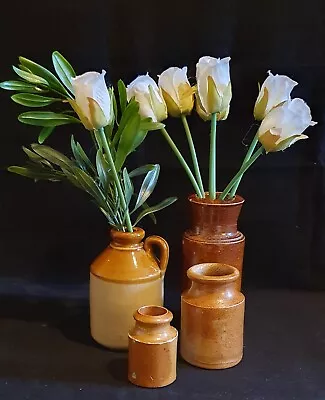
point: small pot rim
(199, 273)
(153, 314)
(138, 233)
(238, 200)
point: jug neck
(153, 320)
(215, 217)
(127, 240)
(213, 278)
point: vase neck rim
(213, 273)
(127, 238)
(153, 315)
(236, 201)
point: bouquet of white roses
(281, 120)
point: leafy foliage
(38, 87)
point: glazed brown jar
(152, 348)
(124, 277)
(213, 236)
(212, 317)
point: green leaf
(108, 129)
(109, 218)
(21, 87)
(46, 118)
(45, 74)
(53, 156)
(128, 141)
(128, 186)
(36, 174)
(81, 157)
(71, 178)
(131, 110)
(30, 77)
(22, 67)
(33, 100)
(163, 204)
(113, 98)
(45, 133)
(63, 69)
(122, 95)
(89, 185)
(142, 170)
(147, 186)
(139, 138)
(102, 169)
(148, 125)
(151, 215)
(36, 158)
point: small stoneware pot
(124, 277)
(152, 348)
(212, 317)
(213, 235)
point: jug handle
(161, 243)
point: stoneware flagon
(213, 236)
(152, 348)
(123, 278)
(212, 317)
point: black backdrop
(51, 232)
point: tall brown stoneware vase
(213, 235)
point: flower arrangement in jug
(281, 120)
(115, 130)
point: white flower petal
(218, 70)
(288, 122)
(92, 85)
(139, 88)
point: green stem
(247, 157)
(116, 179)
(242, 170)
(182, 161)
(193, 154)
(213, 161)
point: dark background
(50, 232)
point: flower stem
(193, 154)
(182, 161)
(116, 179)
(212, 164)
(242, 170)
(247, 157)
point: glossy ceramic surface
(212, 317)
(152, 348)
(124, 277)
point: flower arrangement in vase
(127, 275)
(281, 121)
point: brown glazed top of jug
(126, 260)
(215, 217)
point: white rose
(213, 87)
(275, 90)
(284, 125)
(93, 101)
(177, 91)
(151, 102)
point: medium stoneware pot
(123, 278)
(152, 348)
(212, 317)
(213, 236)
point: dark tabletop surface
(46, 353)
